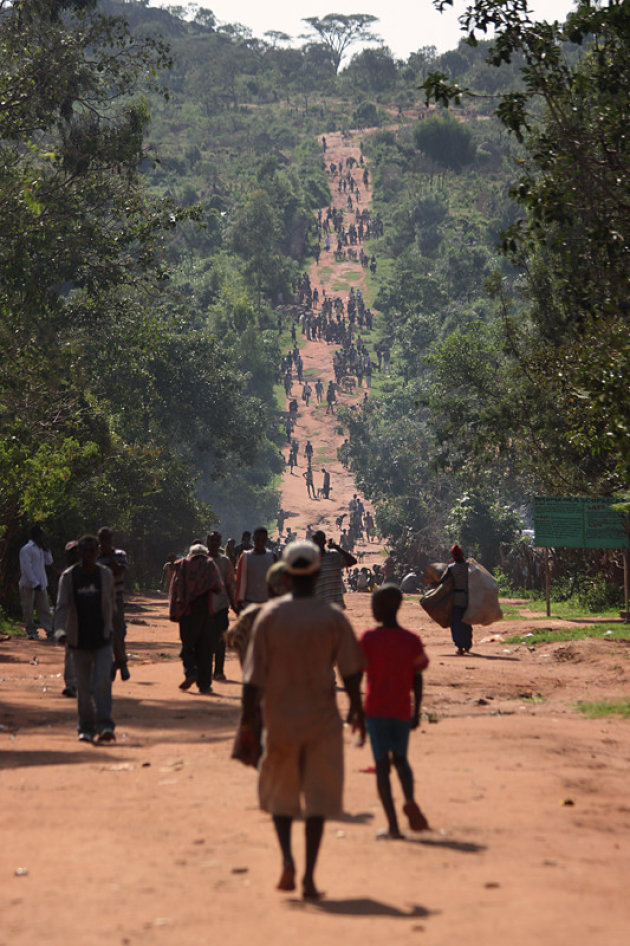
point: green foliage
(137, 279)
(602, 708)
(365, 114)
(116, 393)
(591, 593)
(503, 581)
(587, 632)
(446, 141)
(10, 627)
(371, 70)
(571, 113)
(480, 524)
(338, 31)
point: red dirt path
(313, 423)
(158, 838)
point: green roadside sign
(579, 523)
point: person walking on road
(194, 583)
(368, 524)
(85, 611)
(457, 571)
(395, 659)
(297, 641)
(333, 559)
(251, 572)
(331, 398)
(326, 483)
(116, 561)
(310, 486)
(34, 557)
(221, 603)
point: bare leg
(283, 825)
(314, 830)
(385, 794)
(417, 821)
(405, 775)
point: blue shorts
(388, 735)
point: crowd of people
(352, 367)
(289, 634)
(289, 630)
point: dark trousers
(198, 640)
(93, 670)
(120, 632)
(460, 631)
(220, 622)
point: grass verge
(566, 610)
(10, 627)
(605, 708)
(548, 635)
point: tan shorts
(309, 770)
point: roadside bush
(366, 115)
(596, 595)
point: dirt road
(157, 839)
(313, 423)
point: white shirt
(33, 561)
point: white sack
(483, 596)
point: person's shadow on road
(364, 906)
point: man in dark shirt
(326, 483)
(85, 610)
(244, 546)
(116, 560)
(197, 580)
(457, 572)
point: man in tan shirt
(297, 640)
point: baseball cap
(301, 558)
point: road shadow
(25, 758)
(364, 906)
(186, 718)
(580, 621)
(492, 657)
(14, 659)
(359, 817)
(465, 847)
(481, 657)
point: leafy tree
(104, 355)
(481, 524)
(205, 19)
(372, 69)
(572, 115)
(277, 36)
(255, 236)
(339, 31)
(366, 115)
(446, 141)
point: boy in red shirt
(395, 660)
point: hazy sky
(404, 25)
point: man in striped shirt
(332, 560)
